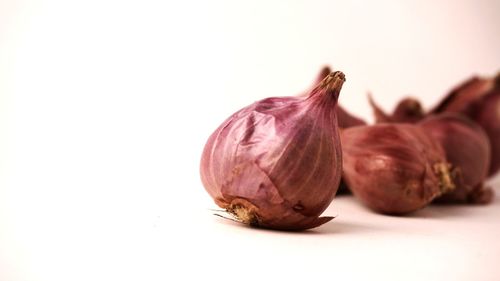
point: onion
(408, 110)
(277, 163)
(479, 99)
(468, 151)
(394, 168)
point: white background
(105, 107)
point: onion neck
(328, 89)
(409, 107)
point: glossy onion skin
(467, 149)
(486, 112)
(277, 163)
(394, 168)
(479, 99)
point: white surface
(105, 107)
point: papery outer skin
(467, 149)
(280, 157)
(408, 110)
(478, 98)
(345, 118)
(390, 167)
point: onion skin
(408, 110)
(486, 112)
(345, 118)
(277, 163)
(479, 99)
(394, 168)
(460, 97)
(468, 150)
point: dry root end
(442, 170)
(246, 215)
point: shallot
(468, 150)
(479, 99)
(394, 168)
(277, 163)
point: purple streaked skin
(277, 163)
(479, 99)
(394, 168)
(467, 149)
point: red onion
(277, 163)
(468, 151)
(408, 110)
(394, 168)
(479, 99)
